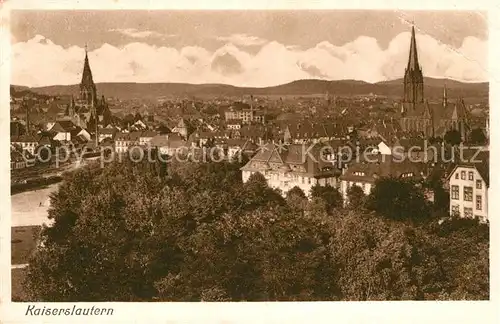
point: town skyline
(246, 57)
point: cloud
(242, 40)
(273, 63)
(134, 33)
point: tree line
(195, 232)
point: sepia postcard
(293, 162)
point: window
(479, 184)
(479, 202)
(471, 175)
(455, 192)
(468, 193)
(308, 180)
(407, 175)
(468, 212)
(455, 210)
(462, 175)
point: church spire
(87, 72)
(413, 79)
(413, 59)
(87, 87)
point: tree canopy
(398, 199)
(197, 233)
(453, 137)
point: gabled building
(235, 147)
(182, 128)
(170, 144)
(285, 167)
(469, 188)
(63, 130)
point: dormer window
(359, 173)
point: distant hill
(21, 91)
(433, 89)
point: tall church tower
(413, 80)
(88, 93)
(88, 96)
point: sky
(244, 48)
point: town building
(469, 188)
(244, 113)
(305, 131)
(25, 143)
(170, 144)
(237, 147)
(295, 165)
(364, 173)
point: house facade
(469, 186)
(25, 143)
(285, 167)
(364, 174)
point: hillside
(433, 89)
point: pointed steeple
(87, 72)
(413, 59)
(413, 79)
(87, 87)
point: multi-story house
(469, 186)
(170, 144)
(364, 173)
(244, 113)
(295, 165)
(25, 143)
(124, 141)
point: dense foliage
(453, 137)
(132, 232)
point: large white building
(469, 185)
(285, 167)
